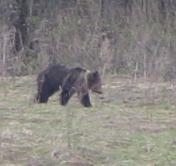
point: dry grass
(134, 125)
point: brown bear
(71, 81)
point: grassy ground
(135, 125)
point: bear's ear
(96, 75)
(96, 72)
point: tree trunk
(21, 36)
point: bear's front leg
(66, 95)
(85, 100)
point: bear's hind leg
(44, 93)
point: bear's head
(94, 82)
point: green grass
(113, 133)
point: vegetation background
(135, 37)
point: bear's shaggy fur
(70, 80)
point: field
(133, 125)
